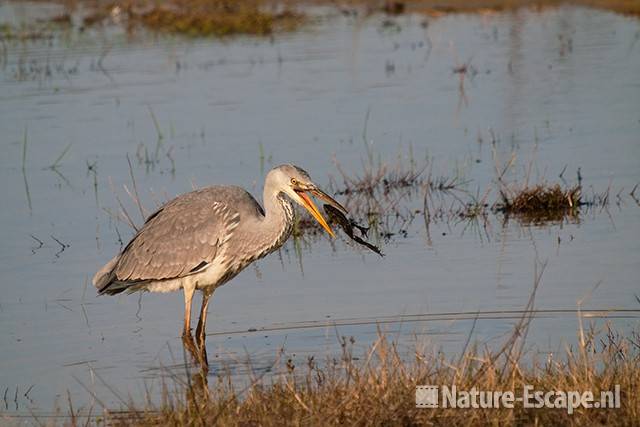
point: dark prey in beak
(335, 215)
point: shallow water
(560, 84)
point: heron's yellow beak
(330, 200)
(313, 210)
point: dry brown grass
(380, 388)
(265, 17)
(436, 8)
(377, 386)
(541, 202)
(217, 17)
(201, 17)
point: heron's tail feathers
(106, 281)
(105, 277)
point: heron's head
(296, 183)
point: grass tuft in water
(541, 202)
(210, 17)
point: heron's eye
(294, 181)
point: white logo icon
(426, 396)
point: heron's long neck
(278, 218)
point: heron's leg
(202, 322)
(190, 345)
(188, 296)
(198, 352)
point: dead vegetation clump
(538, 203)
(541, 203)
(220, 18)
(204, 17)
(380, 178)
(388, 189)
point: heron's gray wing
(182, 237)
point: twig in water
(104, 71)
(561, 176)
(24, 149)
(633, 195)
(40, 243)
(123, 210)
(24, 169)
(136, 199)
(63, 246)
(57, 161)
(155, 123)
(26, 393)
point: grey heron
(202, 239)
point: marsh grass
(25, 140)
(542, 202)
(203, 17)
(438, 8)
(221, 18)
(380, 177)
(385, 196)
(197, 18)
(376, 386)
(378, 197)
